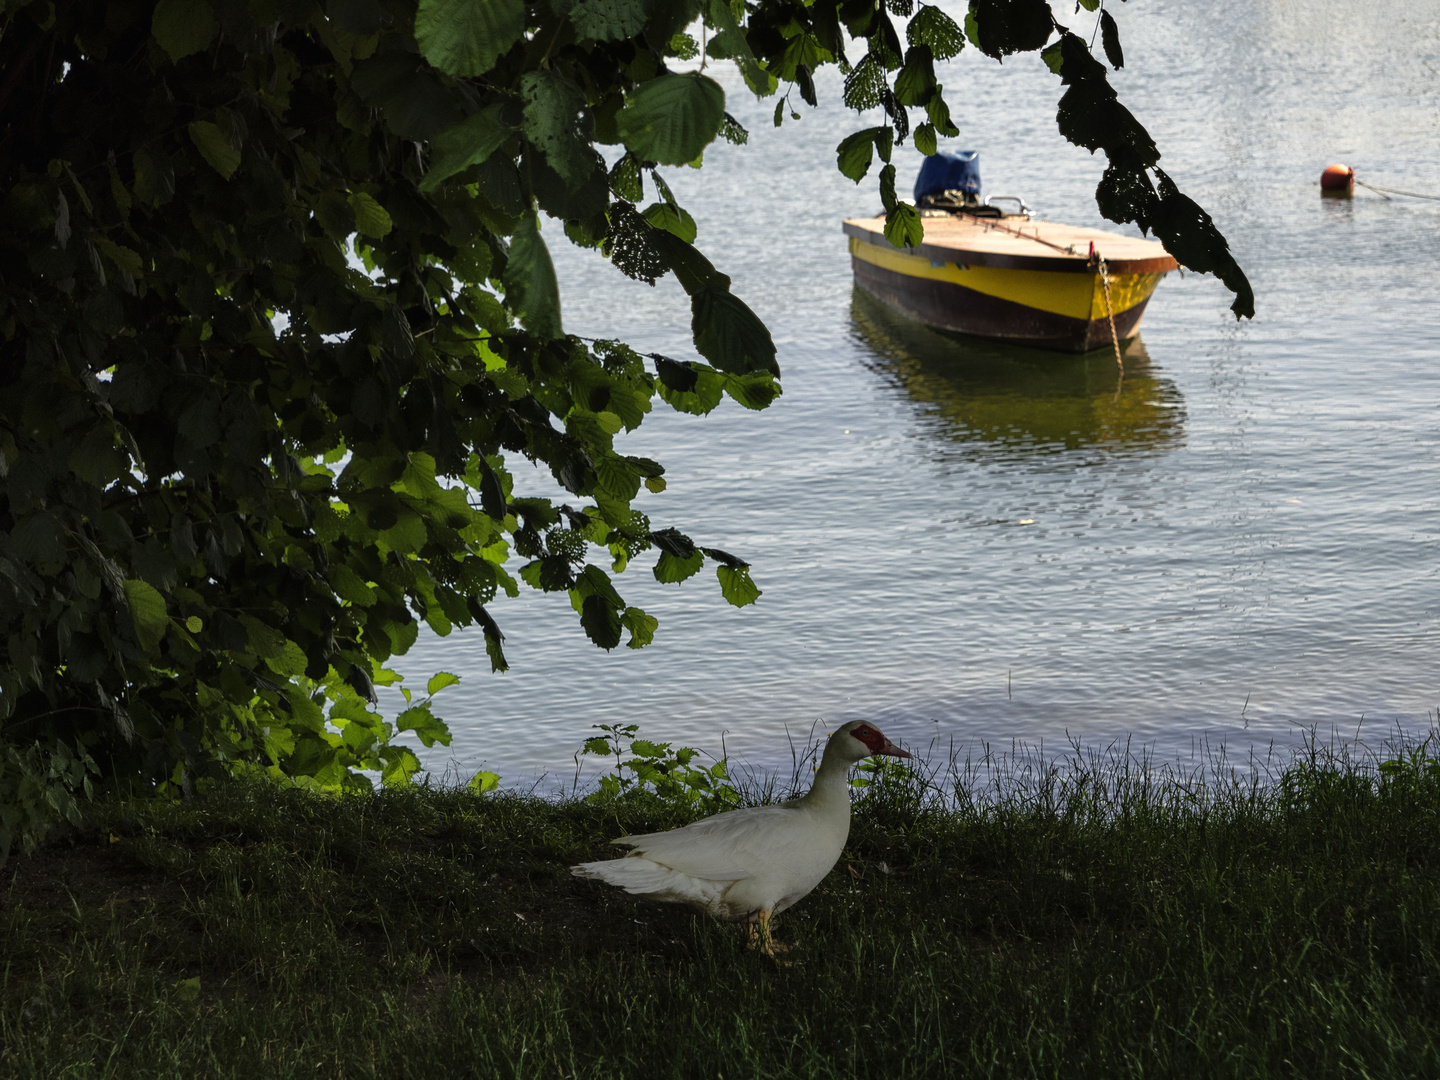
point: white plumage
(750, 863)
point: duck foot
(759, 936)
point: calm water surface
(1238, 543)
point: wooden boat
(1010, 278)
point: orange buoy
(1338, 180)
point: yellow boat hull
(1064, 309)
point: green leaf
(688, 388)
(692, 269)
(464, 144)
(439, 681)
(1053, 55)
(939, 114)
(595, 582)
(530, 286)
(194, 624)
(371, 218)
(854, 153)
(865, 86)
(466, 37)
(903, 226)
(121, 256)
(672, 568)
(931, 26)
(147, 607)
(483, 781)
(730, 40)
(736, 586)
(428, 727)
(183, 27)
(887, 189)
(672, 118)
(642, 627)
(924, 139)
(672, 219)
(916, 81)
(215, 148)
(729, 334)
(754, 390)
(290, 662)
(625, 179)
(601, 621)
(400, 764)
(349, 585)
(609, 20)
(552, 113)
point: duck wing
(727, 847)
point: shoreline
(1120, 926)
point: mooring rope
(1110, 314)
(1387, 192)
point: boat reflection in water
(1024, 402)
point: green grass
(1104, 920)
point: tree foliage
(278, 312)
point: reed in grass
(1096, 915)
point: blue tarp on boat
(949, 171)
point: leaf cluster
(278, 313)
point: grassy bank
(1099, 923)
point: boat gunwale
(1059, 262)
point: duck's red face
(876, 743)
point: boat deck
(1016, 243)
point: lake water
(972, 543)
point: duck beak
(891, 750)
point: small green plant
(886, 781)
(666, 773)
(40, 784)
(1412, 774)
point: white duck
(751, 863)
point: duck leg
(760, 935)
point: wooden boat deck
(1017, 243)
